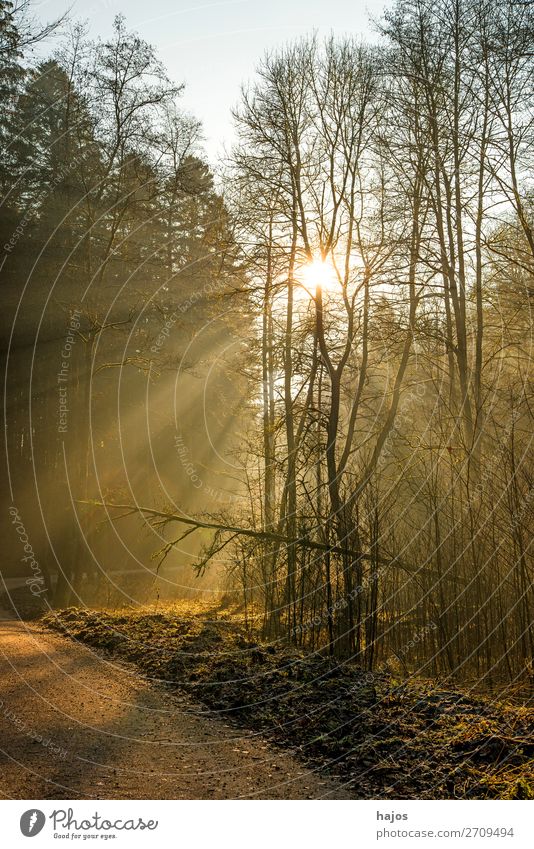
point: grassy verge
(388, 738)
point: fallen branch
(270, 536)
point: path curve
(73, 725)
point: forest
(294, 386)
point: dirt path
(75, 725)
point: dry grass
(386, 737)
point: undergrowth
(384, 737)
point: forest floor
(374, 736)
(74, 724)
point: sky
(214, 47)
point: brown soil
(76, 725)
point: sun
(319, 274)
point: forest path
(76, 725)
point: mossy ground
(388, 738)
